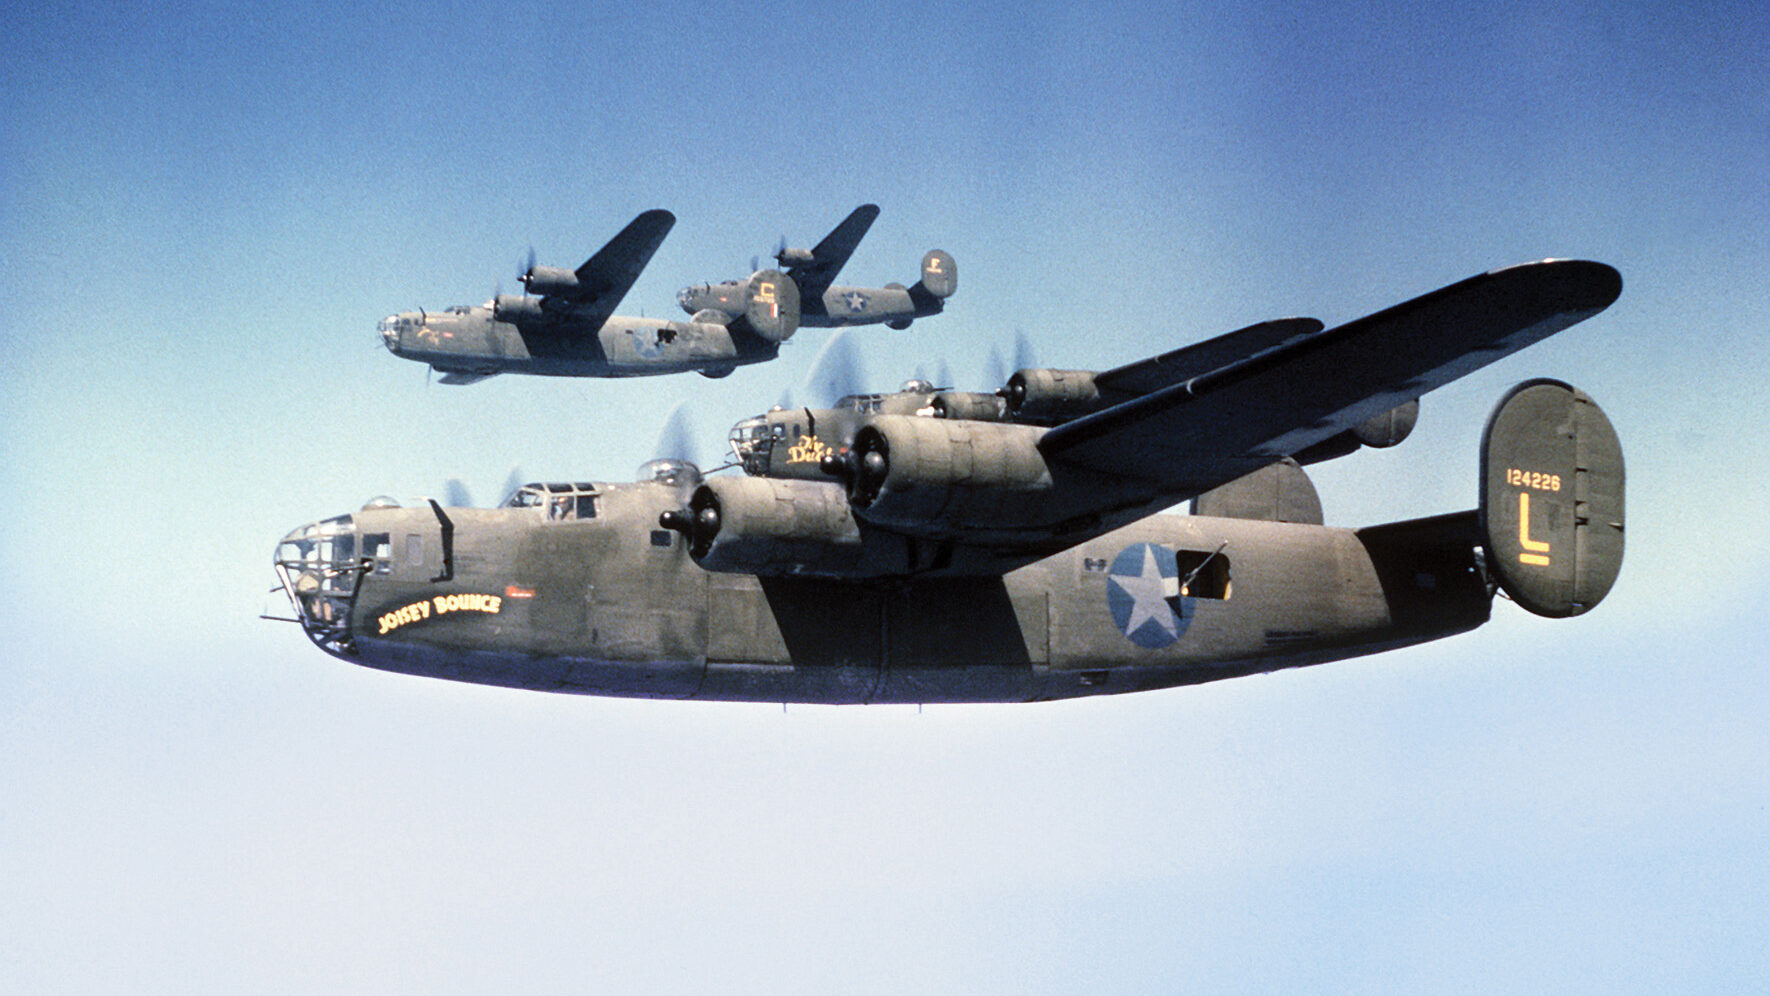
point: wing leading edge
(1152, 374)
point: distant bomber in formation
(822, 305)
(564, 325)
(940, 546)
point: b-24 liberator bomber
(824, 304)
(955, 559)
(564, 325)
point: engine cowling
(517, 309)
(970, 405)
(1386, 429)
(770, 527)
(545, 280)
(980, 483)
(1040, 394)
(931, 475)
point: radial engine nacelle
(517, 309)
(545, 280)
(946, 479)
(770, 527)
(969, 405)
(1045, 395)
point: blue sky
(204, 211)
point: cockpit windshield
(561, 501)
(750, 440)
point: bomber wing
(1150, 375)
(1217, 426)
(932, 495)
(606, 277)
(830, 255)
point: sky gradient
(204, 211)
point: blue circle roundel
(1143, 593)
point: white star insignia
(1149, 592)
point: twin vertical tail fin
(773, 308)
(940, 278)
(1552, 498)
(940, 275)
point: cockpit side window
(559, 502)
(378, 548)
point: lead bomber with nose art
(933, 546)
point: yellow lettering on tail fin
(1536, 553)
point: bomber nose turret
(401, 330)
(319, 565)
(389, 329)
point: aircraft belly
(787, 640)
(597, 650)
(536, 671)
(803, 640)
